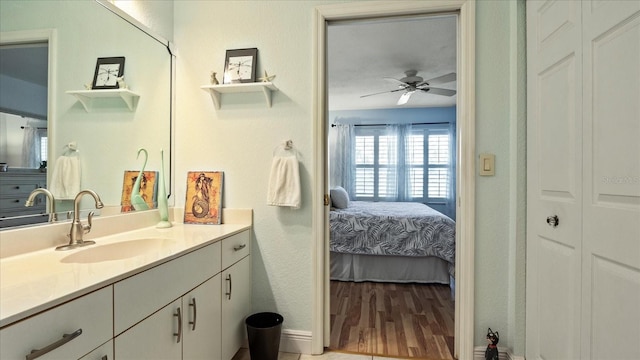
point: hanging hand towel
(284, 182)
(65, 182)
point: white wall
(240, 137)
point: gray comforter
(392, 228)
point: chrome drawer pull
(195, 314)
(239, 247)
(230, 285)
(179, 333)
(65, 339)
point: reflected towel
(65, 181)
(284, 182)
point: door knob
(553, 221)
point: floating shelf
(215, 90)
(87, 97)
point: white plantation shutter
(426, 172)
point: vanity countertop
(38, 280)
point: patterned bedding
(392, 228)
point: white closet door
(554, 172)
(611, 236)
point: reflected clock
(108, 70)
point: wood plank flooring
(395, 320)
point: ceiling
(27, 62)
(361, 54)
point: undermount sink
(114, 251)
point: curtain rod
(37, 128)
(433, 123)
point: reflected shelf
(267, 89)
(87, 97)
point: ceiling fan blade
(441, 79)
(402, 83)
(439, 91)
(404, 98)
(382, 92)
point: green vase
(163, 205)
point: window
(411, 165)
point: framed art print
(203, 204)
(108, 70)
(240, 66)
(148, 189)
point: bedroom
(392, 159)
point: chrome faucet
(77, 228)
(51, 200)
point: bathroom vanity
(15, 186)
(147, 293)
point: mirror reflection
(49, 138)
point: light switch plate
(487, 164)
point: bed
(391, 242)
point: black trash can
(263, 331)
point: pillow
(339, 197)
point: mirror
(108, 132)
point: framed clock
(240, 66)
(108, 70)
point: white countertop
(38, 280)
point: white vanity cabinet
(196, 319)
(69, 331)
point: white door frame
(465, 166)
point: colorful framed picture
(203, 204)
(240, 66)
(148, 189)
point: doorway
(392, 147)
(465, 168)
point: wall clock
(240, 66)
(108, 70)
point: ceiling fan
(412, 83)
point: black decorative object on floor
(492, 349)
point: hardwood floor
(397, 320)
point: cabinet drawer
(17, 188)
(92, 313)
(235, 248)
(139, 296)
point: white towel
(65, 182)
(284, 182)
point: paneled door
(611, 197)
(583, 180)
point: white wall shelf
(215, 90)
(87, 97)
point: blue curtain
(341, 157)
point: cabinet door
(201, 321)
(236, 305)
(159, 336)
(104, 352)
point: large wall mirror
(70, 36)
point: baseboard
(295, 341)
(503, 354)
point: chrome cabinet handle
(239, 247)
(36, 353)
(195, 314)
(553, 221)
(179, 333)
(230, 286)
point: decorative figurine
(137, 201)
(163, 206)
(266, 77)
(214, 81)
(492, 349)
(121, 83)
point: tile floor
(243, 354)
